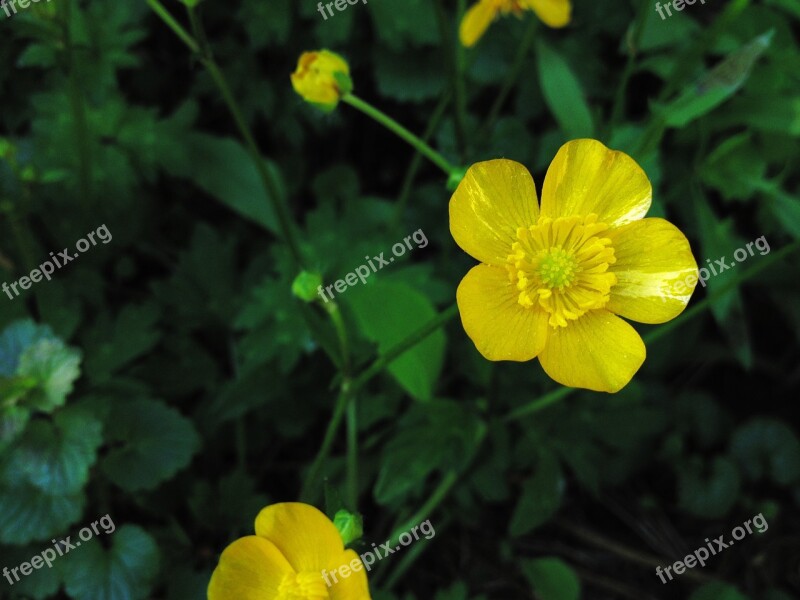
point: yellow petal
(305, 536)
(598, 352)
(352, 587)
(500, 327)
(476, 21)
(494, 199)
(656, 271)
(585, 177)
(251, 568)
(553, 13)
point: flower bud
(322, 78)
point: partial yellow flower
(555, 277)
(294, 545)
(554, 13)
(322, 78)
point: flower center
(562, 265)
(303, 586)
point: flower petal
(585, 177)
(306, 537)
(494, 199)
(598, 352)
(475, 22)
(656, 271)
(500, 327)
(353, 587)
(553, 13)
(251, 568)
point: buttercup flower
(285, 560)
(555, 277)
(554, 13)
(322, 78)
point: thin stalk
(416, 162)
(451, 60)
(306, 494)
(540, 403)
(513, 75)
(395, 127)
(352, 452)
(459, 87)
(424, 512)
(270, 185)
(403, 346)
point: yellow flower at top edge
(556, 278)
(322, 78)
(553, 13)
(294, 545)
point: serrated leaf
(124, 571)
(26, 514)
(552, 579)
(563, 93)
(55, 456)
(150, 443)
(386, 313)
(55, 367)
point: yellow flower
(554, 13)
(555, 277)
(322, 78)
(295, 544)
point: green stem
(403, 346)
(352, 452)
(270, 185)
(519, 61)
(341, 333)
(435, 499)
(416, 162)
(634, 41)
(307, 494)
(395, 127)
(452, 62)
(540, 403)
(459, 87)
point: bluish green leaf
(767, 448)
(541, 495)
(26, 514)
(552, 579)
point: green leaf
(225, 170)
(124, 571)
(563, 93)
(716, 85)
(709, 494)
(403, 23)
(735, 168)
(150, 443)
(386, 313)
(541, 495)
(42, 583)
(552, 579)
(26, 514)
(767, 448)
(55, 367)
(55, 456)
(717, 591)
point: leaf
(404, 23)
(150, 441)
(55, 367)
(26, 514)
(767, 448)
(42, 583)
(386, 313)
(541, 495)
(224, 169)
(55, 456)
(552, 579)
(124, 571)
(563, 93)
(735, 168)
(716, 85)
(712, 494)
(717, 591)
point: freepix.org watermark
(368, 558)
(48, 267)
(339, 4)
(701, 555)
(363, 271)
(6, 4)
(678, 5)
(720, 265)
(60, 548)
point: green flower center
(561, 266)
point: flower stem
(403, 346)
(306, 494)
(453, 62)
(352, 452)
(395, 127)
(513, 74)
